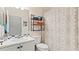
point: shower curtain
(62, 28)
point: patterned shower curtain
(62, 28)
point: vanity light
(22, 8)
(17, 7)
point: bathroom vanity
(16, 23)
(16, 44)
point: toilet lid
(42, 45)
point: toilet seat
(42, 46)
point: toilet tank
(37, 39)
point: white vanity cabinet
(29, 46)
(26, 46)
(10, 48)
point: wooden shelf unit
(37, 24)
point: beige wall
(78, 28)
(36, 11)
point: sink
(14, 41)
(1, 42)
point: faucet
(1, 41)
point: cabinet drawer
(29, 46)
(10, 48)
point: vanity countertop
(14, 41)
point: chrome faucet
(1, 41)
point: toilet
(40, 46)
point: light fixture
(17, 7)
(22, 8)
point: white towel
(1, 31)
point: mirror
(14, 21)
(15, 25)
(1, 18)
(1, 24)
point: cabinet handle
(18, 47)
(21, 46)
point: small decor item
(37, 23)
(40, 23)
